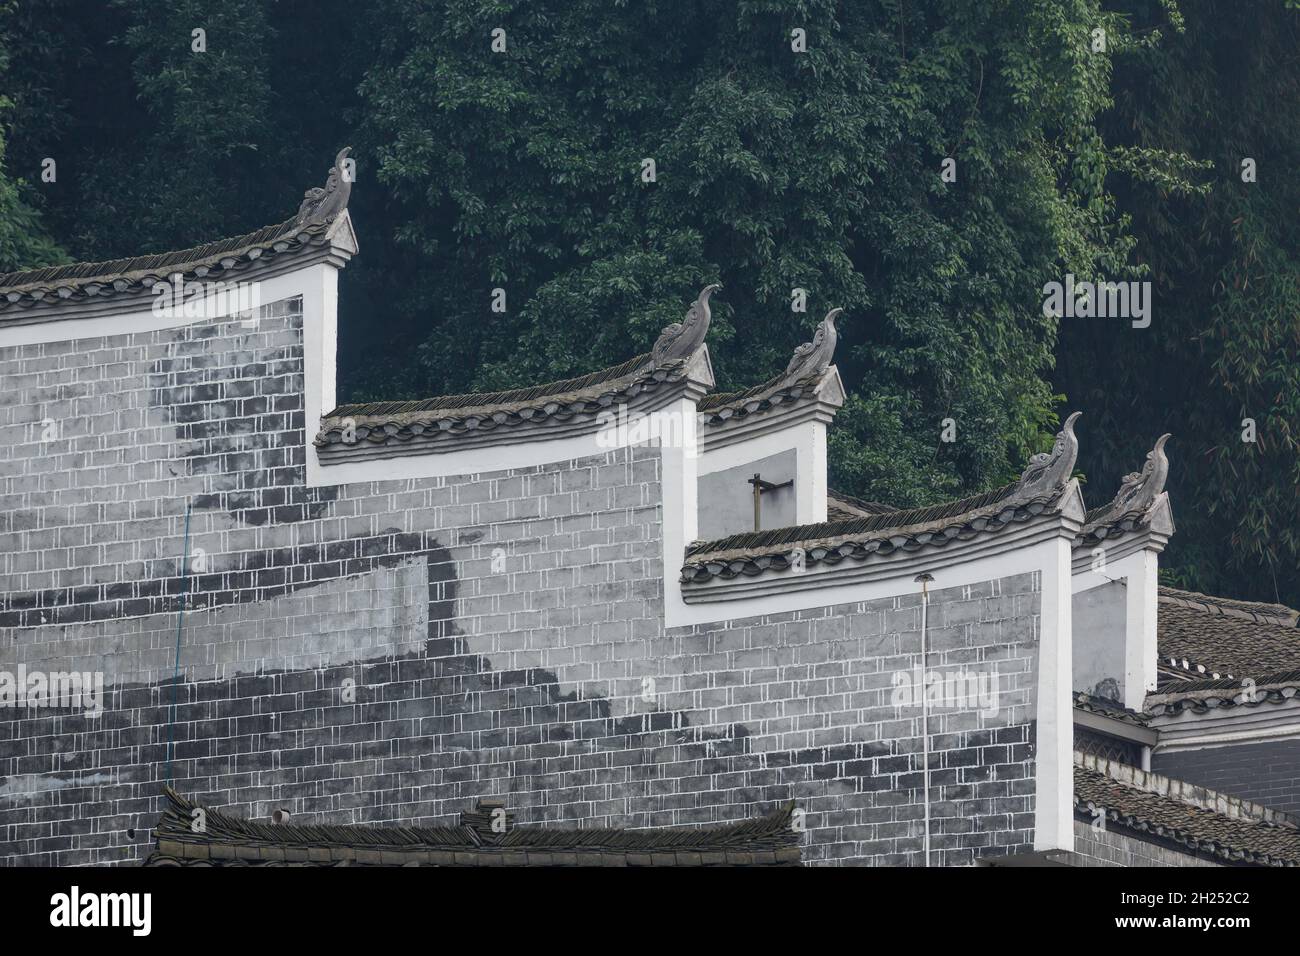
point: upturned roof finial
(325, 204)
(1138, 491)
(1051, 469)
(813, 358)
(681, 339)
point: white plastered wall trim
(1054, 773)
(807, 439)
(1048, 555)
(1139, 572)
(446, 460)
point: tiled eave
(1123, 534)
(1113, 718)
(1203, 696)
(542, 413)
(231, 841)
(1108, 708)
(126, 285)
(769, 408)
(838, 553)
(1225, 829)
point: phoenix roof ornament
(813, 358)
(1050, 470)
(325, 204)
(681, 339)
(1138, 491)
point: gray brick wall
(385, 652)
(1266, 773)
(1094, 847)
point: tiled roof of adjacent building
(389, 423)
(227, 840)
(757, 552)
(212, 261)
(1199, 696)
(1204, 636)
(556, 406)
(1227, 829)
(1109, 708)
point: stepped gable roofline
(678, 360)
(807, 375)
(228, 840)
(1203, 821)
(1040, 490)
(1200, 636)
(320, 229)
(1140, 504)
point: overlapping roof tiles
(22, 292)
(1228, 830)
(1037, 491)
(538, 411)
(801, 378)
(227, 840)
(1206, 637)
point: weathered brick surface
(387, 651)
(1094, 847)
(1266, 773)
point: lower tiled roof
(230, 841)
(1199, 696)
(830, 542)
(1217, 637)
(1109, 708)
(538, 411)
(477, 399)
(1231, 838)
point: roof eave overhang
(1152, 534)
(818, 405)
(690, 381)
(1061, 522)
(1224, 720)
(335, 246)
(1114, 727)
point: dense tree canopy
(775, 167)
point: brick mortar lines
(498, 681)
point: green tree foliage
(24, 241)
(161, 146)
(1224, 343)
(775, 169)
